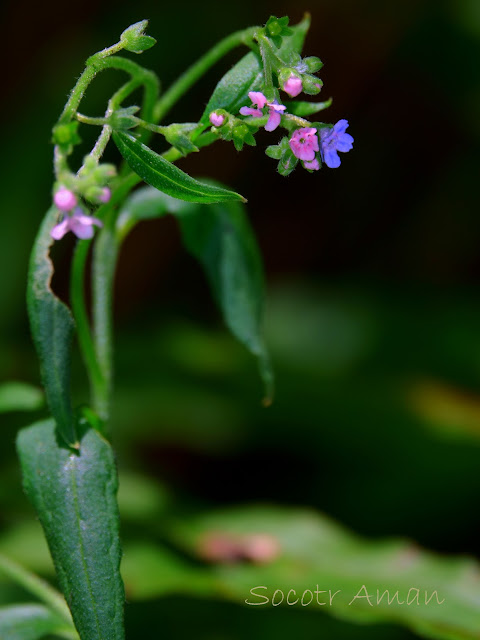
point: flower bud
(106, 195)
(217, 119)
(290, 82)
(134, 40)
(98, 195)
(312, 64)
(311, 85)
(104, 172)
(64, 199)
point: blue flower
(333, 140)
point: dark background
(373, 304)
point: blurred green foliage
(373, 307)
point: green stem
(197, 70)
(105, 254)
(106, 246)
(88, 120)
(79, 309)
(99, 370)
(267, 67)
(37, 587)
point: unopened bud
(311, 85)
(106, 195)
(290, 82)
(217, 119)
(98, 194)
(65, 199)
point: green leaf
(310, 550)
(304, 109)
(74, 494)
(31, 622)
(232, 91)
(221, 238)
(165, 176)
(52, 328)
(20, 396)
(141, 44)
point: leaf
(232, 90)
(304, 109)
(313, 551)
(74, 494)
(221, 238)
(20, 396)
(52, 328)
(165, 176)
(31, 622)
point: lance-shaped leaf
(304, 109)
(221, 238)
(165, 176)
(232, 91)
(31, 622)
(74, 494)
(52, 328)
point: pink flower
(275, 110)
(304, 143)
(79, 223)
(65, 199)
(217, 119)
(259, 101)
(293, 86)
(313, 165)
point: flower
(79, 223)
(217, 119)
(313, 165)
(275, 111)
(333, 140)
(65, 199)
(293, 86)
(259, 101)
(304, 143)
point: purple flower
(293, 86)
(79, 223)
(65, 199)
(333, 140)
(217, 119)
(304, 143)
(259, 101)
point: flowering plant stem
(97, 349)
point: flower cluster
(312, 143)
(74, 218)
(88, 185)
(259, 101)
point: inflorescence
(311, 143)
